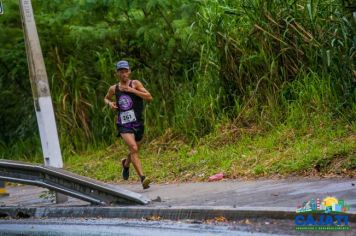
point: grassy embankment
(322, 149)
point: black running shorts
(137, 131)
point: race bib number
(127, 116)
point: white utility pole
(40, 91)
(2, 183)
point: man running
(129, 103)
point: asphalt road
(259, 194)
(94, 226)
(275, 193)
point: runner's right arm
(108, 97)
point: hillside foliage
(207, 64)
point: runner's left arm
(140, 91)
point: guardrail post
(3, 191)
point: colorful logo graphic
(326, 214)
(125, 102)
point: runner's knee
(133, 148)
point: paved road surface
(269, 194)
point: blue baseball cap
(122, 65)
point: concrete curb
(168, 213)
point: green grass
(322, 150)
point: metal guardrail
(68, 183)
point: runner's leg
(129, 139)
(128, 159)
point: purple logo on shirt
(125, 102)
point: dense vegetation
(250, 77)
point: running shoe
(125, 170)
(145, 182)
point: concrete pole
(2, 183)
(40, 90)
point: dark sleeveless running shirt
(130, 108)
